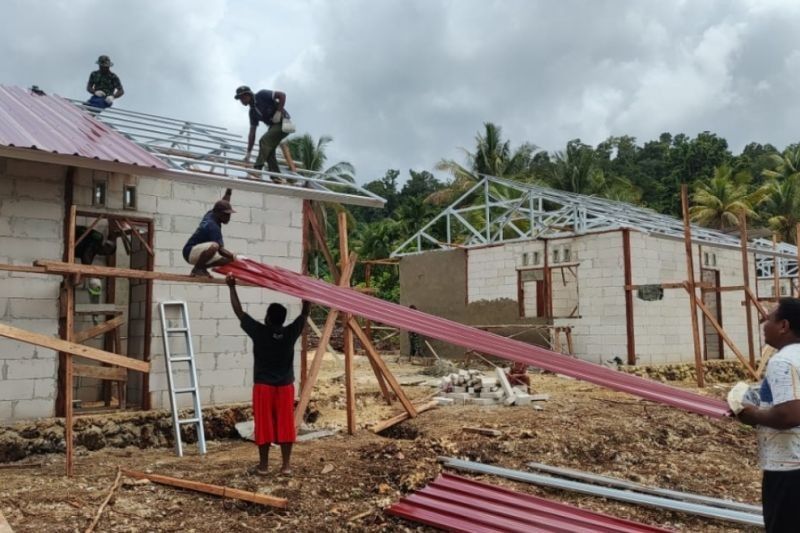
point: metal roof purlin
(201, 150)
(541, 212)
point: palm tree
(782, 205)
(310, 154)
(719, 201)
(578, 170)
(492, 157)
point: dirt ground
(342, 483)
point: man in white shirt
(778, 420)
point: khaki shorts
(198, 249)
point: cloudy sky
(404, 83)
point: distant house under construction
(594, 277)
(61, 166)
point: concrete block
(239, 394)
(222, 344)
(233, 377)
(522, 399)
(17, 389)
(6, 411)
(481, 401)
(495, 395)
(27, 308)
(45, 388)
(245, 231)
(440, 400)
(540, 397)
(37, 408)
(27, 208)
(31, 368)
(36, 228)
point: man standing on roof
(104, 85)
(205, 247)
(777, 420)
(267, 107)
(273, 377)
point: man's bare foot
(200, 273)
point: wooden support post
(746, 276)
(716, 325)
(67, 335)
(776, 274)
(349, 372)
(372, 353)
(109, 339)
(316, 363)
(629, 330)
(754, 299)
(687, 240)
(570, 347)
(367, 281)
(319, 236)
(99, 329)
(304, 270)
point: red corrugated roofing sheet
(52, 124)
(351, 301)
(456, 503)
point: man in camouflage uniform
(104, 85)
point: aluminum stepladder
(172, 328)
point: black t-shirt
(273, 350)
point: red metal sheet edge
(350, 301)
(457, 509)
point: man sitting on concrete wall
(205, 247)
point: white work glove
(247, 157)
(99, 94)
(277, 117)
(736, 397)
(109, 99)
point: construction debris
(648, 500)
(105, 502)
(216, 490)
(474, 387)
(386, 424)
(455, 503)
(482, 431)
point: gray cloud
(401, 84)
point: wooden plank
(349, 388)
(135, 233)
(716, 325)
(746, 278)
(99, 329)
(760, 308)
(23, 268)
(109, 373)
(319, 236)
(316, 363)
(113, 272)
(287, 155)
(318, 333)
(389, 422)
(88, 230)
(59, 345)
(776, 275)
(68, 333)
(372, 353)
(687, 241)
(214, 490)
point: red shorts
(273, 411)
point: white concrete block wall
(599, 334)
(266, 228)
(31, 214)
(492, 271)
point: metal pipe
(606, 492)
(638, 487)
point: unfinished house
(600, 279)
(65, 170)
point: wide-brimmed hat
(243, 89)
(104, 61)
(223, 206)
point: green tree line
(762, 182)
